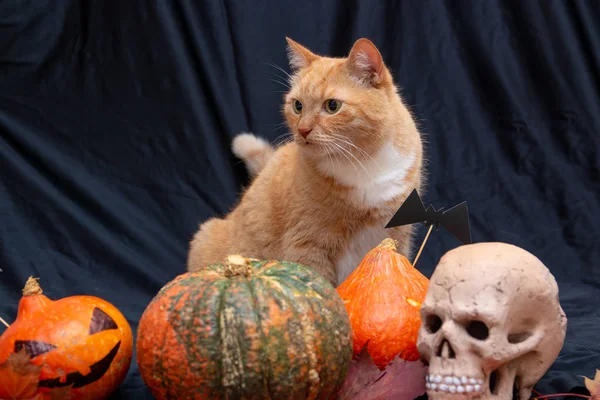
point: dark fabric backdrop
(116, 119)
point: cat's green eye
(332, 105)
(297, 106)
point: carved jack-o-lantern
(81, 342)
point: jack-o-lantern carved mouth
(78, 380)
(100, 322)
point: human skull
(491, 323)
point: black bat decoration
(455, 219)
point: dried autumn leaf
(19, 377)
(593, 385)
(399, 380)
(63, 393)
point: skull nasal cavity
(445, 350)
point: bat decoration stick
(455, 220)
(4, 322)
(423, 244)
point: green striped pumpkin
(245, 329)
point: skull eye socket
(433, 323)
(518, 337)
(478, 330)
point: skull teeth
(453, 384)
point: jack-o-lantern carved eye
(101, 322)
(33, 348)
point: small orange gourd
(82, 342)
(383, 297)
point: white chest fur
(374, 180)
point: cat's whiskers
(283, 139)
(279, 126)
(348, 141)
(280, 69)
(282, 80)
(281, 83)
(345, 153)
(283, 142)
(329, 156)
(329, 145)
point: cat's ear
(298, 55)
(365, 62)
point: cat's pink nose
(304, 132)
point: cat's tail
(254, 151)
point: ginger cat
(324, 198)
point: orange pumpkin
(383, 297)
(80, 341)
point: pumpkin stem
(237, 265)
(389, 243)
(32, 288)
